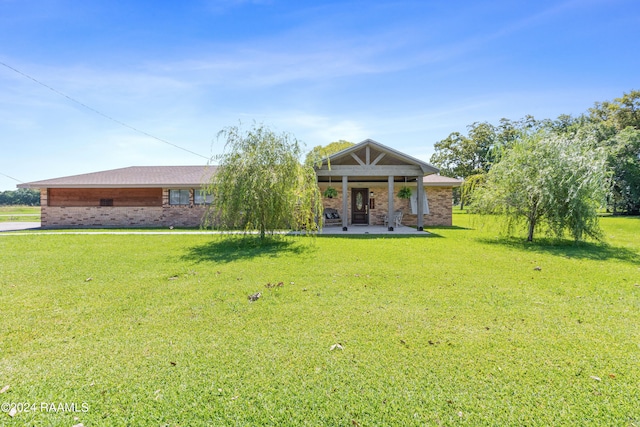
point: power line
(10, 177)
(102, 114)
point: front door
(360, 206)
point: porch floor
(371, 229)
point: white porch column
(345, 202)
(420, 201)
(390, 216)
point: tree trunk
(533, 218)
(532, 226)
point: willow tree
(546, 181)
(261, 185)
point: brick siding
(121, 217)
(440, 211)
(440, 205)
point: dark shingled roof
(167, 176)
(134, 176)
(441, 181)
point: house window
(414, 203)
(106, 202)
(178, 197)
(201, 197)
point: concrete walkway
(326, 231)
(15, 226)
(372, 229)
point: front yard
(461, 328)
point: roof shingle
(134, 176)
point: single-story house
(367, 178)
(138, 196)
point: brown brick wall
(120, 217)
(91, 196)
(440, 205)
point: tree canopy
(547, 181)
(471, 156)
(22, 196)
(613, 126)
(320, 152)
(616, 125)
(261, 185)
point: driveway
(13, 226)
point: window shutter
(414, 203)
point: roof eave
(426, 168)
(36, 185)
(443, 184)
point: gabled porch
(367, 178)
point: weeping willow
(547, 182)
(261, 185)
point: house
(369, 174)
(138, 196)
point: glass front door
(360, 206)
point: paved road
(13, 226)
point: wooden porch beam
(360, 162)
(377, 159)
(371, 170)
(345, 204)
(390, 203)
(420, 202)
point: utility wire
(102, 114)
(10, 177)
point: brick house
(372, 174)
(369, 173)
(138, 196)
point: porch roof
(370, 159)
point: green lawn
(461, 328)
(19, 213)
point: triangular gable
(369, 158)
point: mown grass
(19, 213)
(461, 328)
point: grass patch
(462, 329)
(19, 213)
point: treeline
(21, 196)
(612, 126)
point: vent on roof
(106, 202)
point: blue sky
(405, 73)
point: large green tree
(624, 163)
(547, 181)
(461, 156)
(261, 185)
(617, 127)
(458, 156)
(622, 112)
(320, 152)
(21, 196)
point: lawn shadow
(234, 248)
(568, 249)
(365, 236)
(449, 227)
